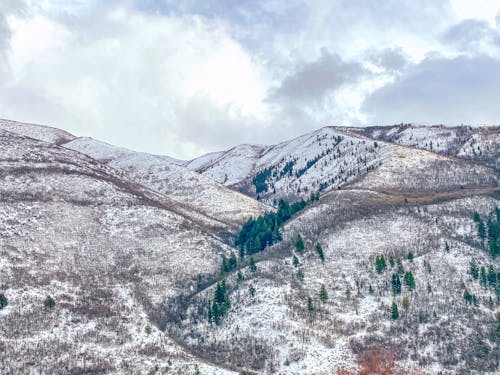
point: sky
(186, 77)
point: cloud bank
(183, 78)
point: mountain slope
(480, 144)
(107, 250)
(162, 174)
(333, 157)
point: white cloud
(182, 78)
(130, 87)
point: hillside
(107, 250)
(334, 156)
(136, 252)
(164, 175)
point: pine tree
(370, 289)
(492, 277)
(299, 244)
(482, 279)
(391, 262)
(410, 256)
(321, 255)
(446, 247)
(409, 280)
(406, 303)
(232, 262)
(429, 288)
(300, 275)
(401, 269)
(209, 314)
(251, 290)
(394, 311)
(295, 261)
(310, 306)
(240, 277)
(468, 297)
(49, 302)
(380, 264)
(396, 284)
(3, 301)
(251, 264)
(474, 269)
(323, 294)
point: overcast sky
(183, 78)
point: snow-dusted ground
(123, 240)
(44, 133)
(275, 323)
(164, 175)
(107, 251)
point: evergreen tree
(370, 289)
(391, 262)
(209, 314)
(251, 265)
(492, 277)
(468, 297)
(300, 275)
(446, 247)
(429, 288)
(409, 280)
(394, 311)
(482, 279)
(497, 330)
(380, 264)
(3, 301)
(321, 255)
(216, 313)
(240, 277)
(474, 269)
(323, 294)
(299, 244)
(232, 261)
(295, 261)
(481, 230)
(401, 269)
(251, 290)
(310, 306)
(396, 284)
(224, 267)
(406, 303)
(49, 302)
(410, 256)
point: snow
(165, 176)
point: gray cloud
(311, 81)
(439, 90)
(472, 35)
(390, 59)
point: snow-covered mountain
(163, 174)
(130, 248)
(334, 156)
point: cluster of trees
(257, 234)
(469, 298)
(489, 232)
(228, 264)
(217, 308)
(489, 278)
